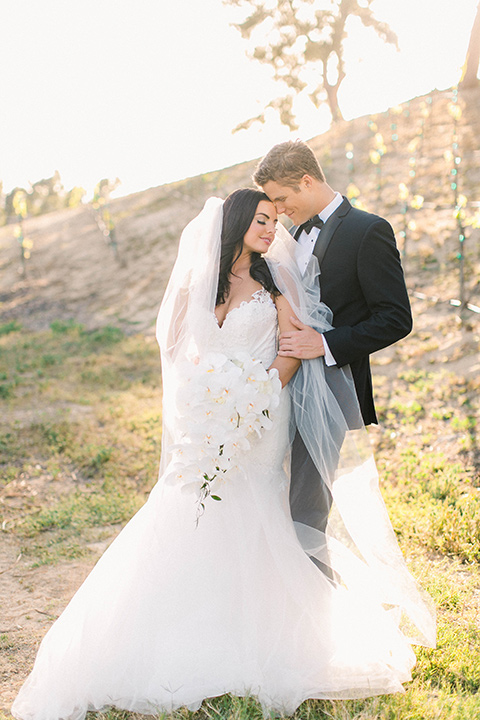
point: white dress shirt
(306, 243)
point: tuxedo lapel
(325, 236)
(329, 229)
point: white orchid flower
(221, 403)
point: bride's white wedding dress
(176, 611)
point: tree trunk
(470, 69)
(332, 93)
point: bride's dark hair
(239, 210)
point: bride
(211, 588)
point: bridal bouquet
(222, 403)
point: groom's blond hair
(287, 163)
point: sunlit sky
(149, 90)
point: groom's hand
(304, 343)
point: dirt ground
(29, 600)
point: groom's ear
(307, 182)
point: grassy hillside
(74, 273)
(80, 403)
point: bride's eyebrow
(264, 215)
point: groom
(361, 281)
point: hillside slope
(72, 272)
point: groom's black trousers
(310, 497)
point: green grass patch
(9, 327)
(59, 436)
(417, 704)
(82, 510)
(60, 327)
(433, 503)
(107, 335)
(55, 550)
(54, 546)
(6, 391)
(92, 420)
(9, 445)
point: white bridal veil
(359, 543)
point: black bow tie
(307, 226)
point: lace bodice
(252, 326)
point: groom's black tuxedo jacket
(362, 282)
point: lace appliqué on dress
(261, 296)
(251, 326)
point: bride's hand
(304, 343)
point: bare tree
(304, 45)
(469, 76)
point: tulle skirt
(177, 611)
